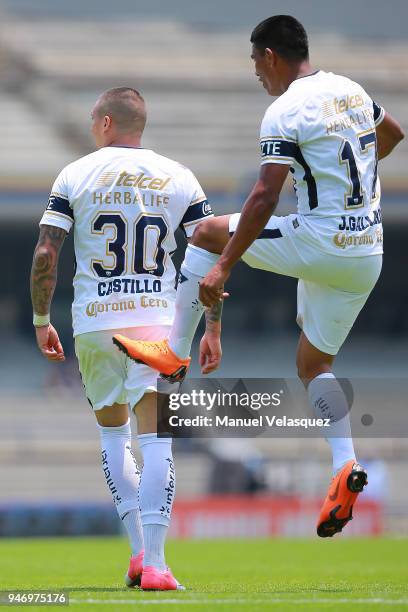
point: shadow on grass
(91, 589)
(295, 590)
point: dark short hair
(283, 34)
(126, 106)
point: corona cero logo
(93, 309)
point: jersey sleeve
(59, 211)
(278, 137)
(198, 207)
(378, 113)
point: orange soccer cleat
(338, 505)
(157, 355)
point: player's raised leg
(328, 401)
(156, 495)
(171, 356)
(122, 476)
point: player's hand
(212, 286)
(49, 343)
(210, 353)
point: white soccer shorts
(108, 375)
(332, 289)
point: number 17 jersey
(125, 205)
(323, 126)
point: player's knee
(203, 235)
(307, 371)
(209, 236)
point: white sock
(157, 490)
(133, 526)
(188, 312)
(328, 401)
(123, 478)
(155, 538)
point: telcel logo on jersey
(348, 102)
(126, 179)
(141, 181)
(337, 106)
(131, 196)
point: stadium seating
(203, 98)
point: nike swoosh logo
(333, 497)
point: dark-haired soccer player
(327, 131)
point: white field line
(269, 601)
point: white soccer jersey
(323, 126)
(125, 204)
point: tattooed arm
(210, 346)
(43, 281)
(44, 269)
(213, 318)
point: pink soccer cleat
(155, 580)
(134, 573)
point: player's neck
(126, 141)
(298, 71)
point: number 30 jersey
(323, 126)
(125, 205)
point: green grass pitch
(338, 574)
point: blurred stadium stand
(205, 105)
(204, 101)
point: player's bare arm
(210, 345)
(389, 134)
(43, 282)
(213, 319)
(44, 268)
(256, 212)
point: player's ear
(107, 122)
(270, 56)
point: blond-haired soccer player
(327, 131)
(125, 204)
